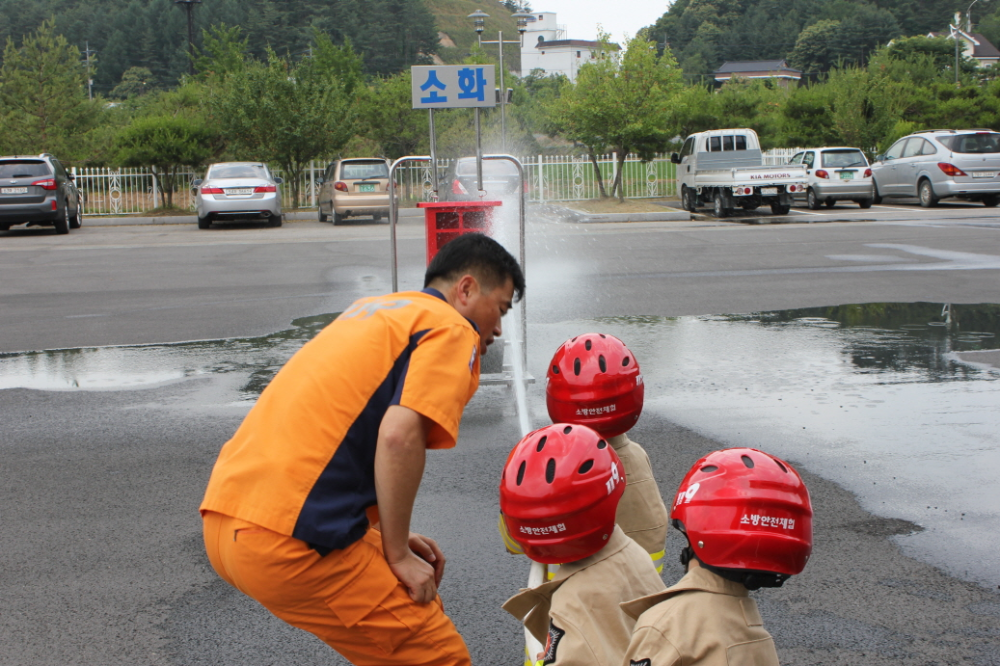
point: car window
(913, 147)
(362, 170)
(839, 159)
(809, 159)
(980, 142)
(236, 171)
(741, 142)
(896, 150)
(467, 167)
(23, 168)
(929, 148)
(728, 143)
(688, 147)
(797, 159)
(714, 144)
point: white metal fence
(551, 178)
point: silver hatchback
(835, 174)
(238, 190)
(935, 164)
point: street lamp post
(189, 7)
(479, 21)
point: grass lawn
(605, 206)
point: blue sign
(453, 86)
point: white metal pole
(503, 99)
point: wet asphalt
(102, 559)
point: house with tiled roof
(759, 69)
(974, 46)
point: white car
(836, 173)
(238, 190)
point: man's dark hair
(481, 256)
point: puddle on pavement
(893, 401)
(148, 366)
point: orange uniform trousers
(349, 599)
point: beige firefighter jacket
(577, 615)
(641, 511)
(703, 620)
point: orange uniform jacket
(302, 463)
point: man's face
(486, 308)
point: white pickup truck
(724, 169)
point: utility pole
(90, 80)
(189, 7)
(479, 17)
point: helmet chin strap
(752, 580)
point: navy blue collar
(437, 294)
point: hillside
(704, 33)
(451, 18)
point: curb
(789, 219)
(137, 220)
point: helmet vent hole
(541, 443)
(555, 369)
(602, 444)
(747, 461)
(783, 469)
(520, 472)
(603, 336)
(709, 468)
(574, 339)
(567, 430)
(550, 470)
(601, 362)
(576, 367)
(586, 466)
(626, 361)
(588, 344)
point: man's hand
(418, 576)
(428, 550)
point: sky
(582, 16)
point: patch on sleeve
(641, 662)
(552, 644)
(472, 359)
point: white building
(546, 47)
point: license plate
(239, 191)
(768, 191)
(14, 190)
(984, 174)
(847, 175)
(366, 188)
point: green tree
(386, 117)
(866, 106)
(622, 103)
(224, 50)
(135, 81)
(815, 47)
(167, 143)
(283, 113)
(43, 100)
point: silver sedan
(238, 190)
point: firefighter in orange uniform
(337, 442)
(560, 489)
(748, 523)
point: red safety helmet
(594, 380)
(559, 493)
(745, 509)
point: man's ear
(467, 287)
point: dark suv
(37, 190)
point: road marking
(908, 210)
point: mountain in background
(390, 35)
(813, 35)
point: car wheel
(687, 201)
(877, 199)
(830, 203)
(323, 217)
(76, 221)
(338, 218)
(274, 221)
(780, 209)
(62, 223)
(926, 192)
(719, 206)
(991, 200)
(812, 201)
(866, 203)
(204, 222)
